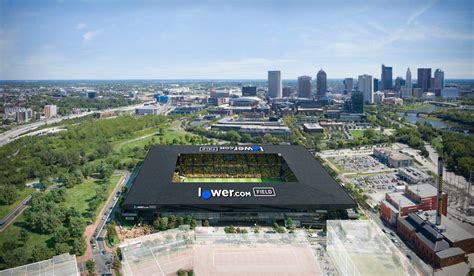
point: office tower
(357, 102)
(365, 86)
(321, 83)
(304, 87)
(274, 84)
(387, 77)
(348, 84)
(50, 110)
(376, 84)
(399, 83)
(424, 78)
(287, 91)
(439, 79)
(408, 83)
(249, 91)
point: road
(100, 253)
(17, 132)
(10, 217)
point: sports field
(232, 180)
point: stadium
(235, 184)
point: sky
(233, 39)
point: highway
(10, 217)
(17, 132)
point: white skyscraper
(407, 90)
(274, 84)
(365, 86)
(408, 83)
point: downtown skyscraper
(321, 84)
(387, 78)
(274, 84)
(365, 86)
(424, 78)
(439, 79)
(304, 87)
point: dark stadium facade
(235, 185)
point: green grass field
(357, 133)
(224, 180)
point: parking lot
(358, 163)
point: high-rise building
(376, 84)
(348, 84)
(287, 91)
(399, 83)
(408, 83)
(274, 84)
(387, 78)
(249, 91)
(50, 110)
(321, 84)
(439, 79)
(357, 102)
(424, 78)
(304, 87)
(365, 86)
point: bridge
(443, 104)
(418, 113)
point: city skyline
(233, 40)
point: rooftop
(61, 265)
(423, 190)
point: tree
(8, 194)
(61, 248)
(193, 224)
(16, 257)
(41, 252)
(78, 246)
(157, 223)
(23, 235)
(290, 224)
(205, 223)
(164, 223)
(116, 264)
(90, 266)
(61, 235)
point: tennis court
(231, 180)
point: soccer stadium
(234, 184)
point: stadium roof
(315, 190)
(61, 265)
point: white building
(378, 97)
(50, 111)
(147, 110)
(365, 86)
(274, 84)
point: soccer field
(223, 180)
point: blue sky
(232, 39)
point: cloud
(88, 36)
(80, 26)
(420, 11)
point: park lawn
(76, 197)
(5, 209)
(357, 133)
(13, 232)
(79, 195)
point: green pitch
(223, 180)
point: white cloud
(420, 11)
(88, 36)
(80, 26)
